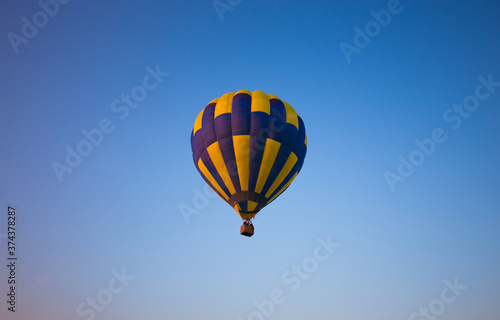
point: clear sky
(414, 224)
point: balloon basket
(247, 229)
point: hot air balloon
(248, 147)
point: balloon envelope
(248, 147)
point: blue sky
(119, 211)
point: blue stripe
(223, 126)
(259, 123)
(208, 125)
(302, 156)
(242, 95)
(243, 205)
(205, 157)
(277, 120)
(241, 109)
(300, 143)
(227, 149)
(197, 145)
(290, 137)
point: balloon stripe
(295, 170)
(240, 115)
(256, 152)
(224, 104)
(218, 161)
(251, 205)
(210, 178)
(270, 152)
(197, 145)
(301, 159)
(210, 184)
(243, 205)
(223, 126)
(283, 183)
(208, 126)
(277, 166)
(277, 120)
(291, 115)
(205, 157)
(259, 125)
(197, 123)
(228, 157)
(290, 163)
(301, 137)
(242, 155)
(243, 92)
(290, 136)
(260, 102)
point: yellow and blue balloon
(248, 147)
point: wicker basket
(246, 230)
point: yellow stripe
(243, 91)
(224, 105)
(251, 205)
(260, 102)
(272, 96)
(197, 123)
(220, 165)
(284, 187)
(270, 152)
(291, 115)
(242, 155)
(306, 141)
(290, 162)
(210, 178)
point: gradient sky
(120, 207)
